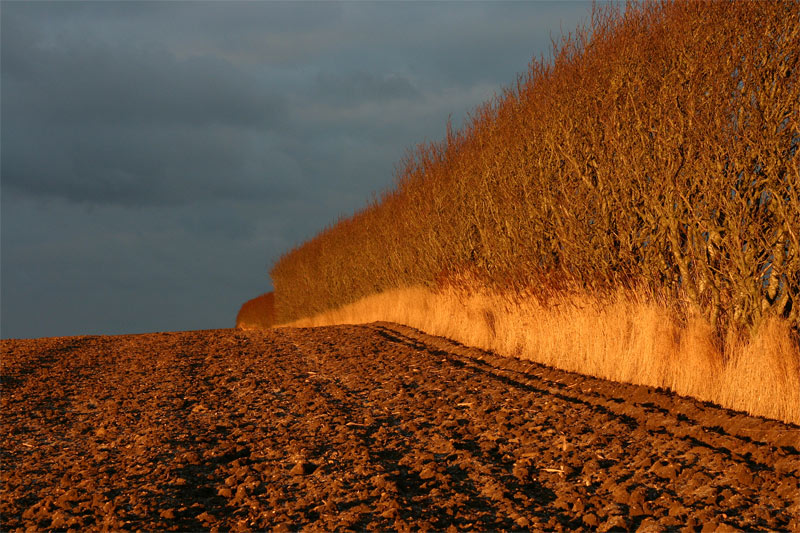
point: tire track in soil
(365, 427)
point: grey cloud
(472, 43)
(158, 157)
(357, 88)
(231, 29)
(109, 269)
(131, 124)
(143, 166)
(102, 84)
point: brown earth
(366, 427)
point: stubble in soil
(374, 427)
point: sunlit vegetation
(635, 197)
(623, 337)
(257, 313)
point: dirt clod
(374, 427)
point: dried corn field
(657, 155)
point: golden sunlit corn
(629, 209)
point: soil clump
(372, 427)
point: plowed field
(374, 427)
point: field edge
(624, 338)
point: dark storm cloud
(136, 165)
(359, 87)
(130, 124)
(122, 85)
(158, 157)
(446, 44)
(280, 33)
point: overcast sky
(157, 158)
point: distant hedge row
(258, 313)
(658, 148)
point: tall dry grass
(659, 148)
(623, 337)
(657, 153)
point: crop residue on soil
(364, 427)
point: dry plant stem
(659, 147)
(629, 209)
(624, 337)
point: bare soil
(375, 427)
